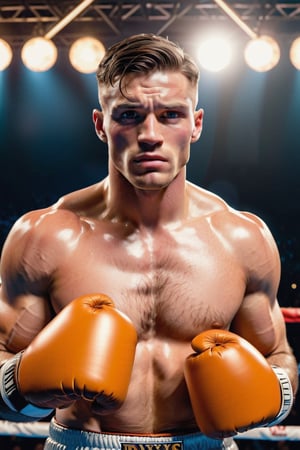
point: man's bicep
(21, 319)
(260, 321)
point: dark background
(249, 152)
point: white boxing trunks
(63, 438)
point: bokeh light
(214, 53)
(39, 54)
(5, 54)
(295, 53)
(262, 53)
(85, 54)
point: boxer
(175, 259)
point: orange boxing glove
(232, 387)
(85, 352)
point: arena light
(295, 53)
(235, 17)
(68, 18)
(262, 53)
(39, 54)
(214, 54)
(85, 54)
(6, 54)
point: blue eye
(171, 114)
(130, 114)
(127, 116)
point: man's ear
(98, 122)
(198, 124)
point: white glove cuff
(286, 395)
(10, 394)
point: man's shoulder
(205, 202)
(47, 224)
(38, 241)
(38, 221)
(82, 202)
(50, 223)
(233, 223)
(213, 205)
(241, 225)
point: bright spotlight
(262, 53)
(295, 53)
(5, 54)
(39, 54)
(85, 54)
(214, 54)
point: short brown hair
(142, 54)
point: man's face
(149, 131)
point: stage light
(295, 53)
(262, 53)
(5, 54)
(214, 54)
(39, 54)
(85, 54)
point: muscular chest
(173, 283)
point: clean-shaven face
(149, 129)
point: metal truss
(20, 20)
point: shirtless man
(175, 259)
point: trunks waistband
(69, 438)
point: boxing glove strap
(286, 395)
(11, 396)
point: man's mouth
(145, 157)
(149, 162)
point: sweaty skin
(175, 258)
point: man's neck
(147, 208)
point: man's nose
(150, 131)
